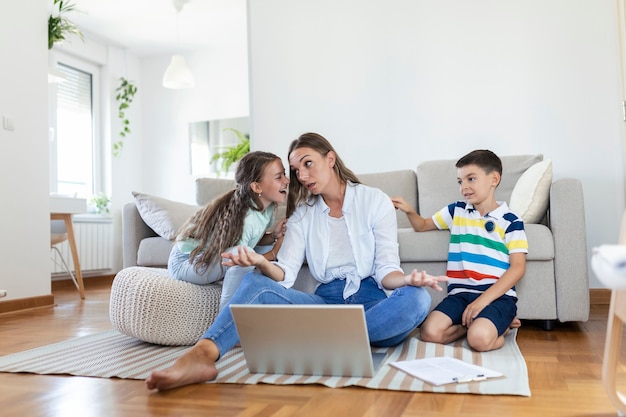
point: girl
(240, 217)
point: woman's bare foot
(516, 323)
(195, 366)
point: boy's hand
(401, 204)
(471, 312)
(422, 279)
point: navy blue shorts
(500, 312)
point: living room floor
(564, 366)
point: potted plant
(60, 26)
(101, 203)
(232, 154)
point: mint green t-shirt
(255, 225)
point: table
(62, 208)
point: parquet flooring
(564, 367)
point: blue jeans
(389, 320)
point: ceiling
(148, 27)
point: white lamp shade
(177, 75)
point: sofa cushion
(437, 185)
(163, 216)
(531, 194)
(207, 189)
(154, 251)
(431, 246)
(395, 183)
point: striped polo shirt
(480, 245)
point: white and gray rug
(114, 355)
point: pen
(479, 377)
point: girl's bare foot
(195, 366)
(516, 323)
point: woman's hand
(243, 257)
(422, 279)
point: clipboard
(445, 370)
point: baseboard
(10, 306)
(599, 296)
(89, 281)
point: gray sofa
(556, 284)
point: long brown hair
(219, 225)
(298, 193)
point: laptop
(296, 339)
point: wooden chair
(58, 234)
(612, 347)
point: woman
(347, 233)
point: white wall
(221, 92)
(25, 205)
(396, 82)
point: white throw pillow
(163, 216)
(531, 193)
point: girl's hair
(219, 225)
(299, 193)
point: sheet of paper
(445, 370)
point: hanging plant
(125, 95)
(233, 153)
(59, 26)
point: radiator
(94, 240)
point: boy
(486, 258)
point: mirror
(208, 138)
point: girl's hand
(422, 279)
(279, 229)
(243, 257)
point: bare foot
(195, 366)
(516, 323)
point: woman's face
(313, 170)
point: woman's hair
(299, 193)
(219, 225)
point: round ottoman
(151, 306)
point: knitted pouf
(151, 306)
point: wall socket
(8, 122)
(3, 293)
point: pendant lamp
(178, 75)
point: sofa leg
(547, 325)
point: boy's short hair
(482, 158)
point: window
(74, 137)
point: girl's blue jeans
(389, 319)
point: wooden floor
(564, 368)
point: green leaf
(126, 91)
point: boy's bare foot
(195, 366)
(516, 323)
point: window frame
(97, 158)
